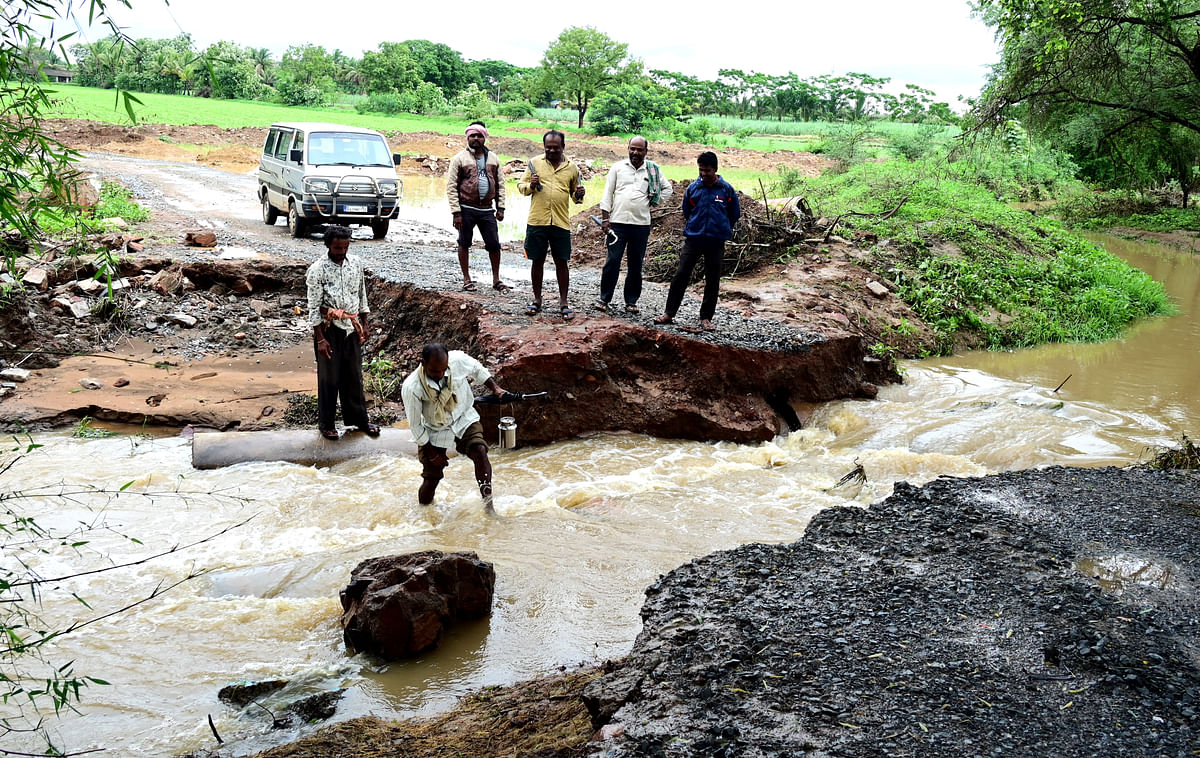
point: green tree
(229, 72)
(833, 96)
(306, 76)
(389, 69)
(863, 91)
(439, 64)
(628, 108)
(501, 80)
(793, 97)
(97, 64)
(1116, 82)
(1140, 60)
(582, 62)
(696, 95)
(264, 65)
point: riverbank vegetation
(978, 270)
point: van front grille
(356, 187)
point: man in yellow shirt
(551, 180)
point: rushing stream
(584, 527)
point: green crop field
(93, 104)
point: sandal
(371, 430)
(501, 287)
(331, 434)
(664, 319)
(707, 325)
(631, 308)
(601, 306)
(533, 308)
(568, 313)
(469, 287)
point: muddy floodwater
(584, 526)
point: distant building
(56, 74)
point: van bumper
(364, 210)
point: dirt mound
(236, 158)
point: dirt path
(236, 150)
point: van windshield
(347, 149)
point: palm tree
(264, 66)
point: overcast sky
(934, 43)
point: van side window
(281, 149)
(272, 138)
(298, 144)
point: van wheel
(270, 215)
(297, 225)
(379, 227)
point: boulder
(73, 189)
(200, 239)
(397, 606)
(182, 319)
(90, 286)
(317, 707)
(241, 694)
(37, 278)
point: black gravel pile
(1034, 613)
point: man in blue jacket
(710, 210)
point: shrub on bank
(1105, 210)
(977, 270)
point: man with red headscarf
(475, 189)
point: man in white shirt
(633, 187)
(337, 311)
(440, 406)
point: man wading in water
(441, 411)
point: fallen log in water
(303, 446)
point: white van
(316, 173)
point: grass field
(72, 101)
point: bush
(116, 200)
(849, 142)
(515, 109)
(294, 93)
(473, 102)
(915, 145)
(381, 102)
(1016, 169)
(427, 99)
(698, 130)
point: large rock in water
(397, 606)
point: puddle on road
(1116, 573)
